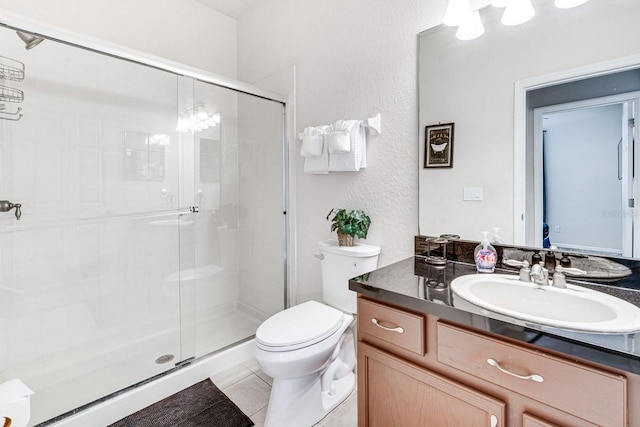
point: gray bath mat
(201, 405)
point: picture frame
(438, 145)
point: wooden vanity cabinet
(399, 394)
(417, 370)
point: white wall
(353, 60)
(181, 30)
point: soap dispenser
(485, 255)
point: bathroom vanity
(426, 358)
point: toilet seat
(299, 326)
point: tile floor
(248, 387)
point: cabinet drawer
(592, 394)
(395, 326)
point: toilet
(309, 349)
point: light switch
(472, 193)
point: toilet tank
(341, 263)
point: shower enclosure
(152, 226)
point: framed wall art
(438, 146)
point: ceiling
(232, 8)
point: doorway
(584, 175)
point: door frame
(628, 173)
(520, 127)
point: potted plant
(348, 225)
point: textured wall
(181, 30)
(353, 60)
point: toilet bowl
(309, 349)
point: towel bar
(374, 124)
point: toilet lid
(299, 326)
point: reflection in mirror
(145, 156)
(489, 88)
(583, 175)
(209, 160)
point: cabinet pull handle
(533, 377)
(494, 421)
(397, 329)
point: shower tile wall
(103, 274)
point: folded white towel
(338, 142)
(355, 159)
(311, 145)
(317, 164)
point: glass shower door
(152, 227)
(85, 307)
(233, 176)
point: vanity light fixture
(460, 14)
(458, 11)
(567, 4)
(196, 119)
(518, 12)
(471, 28)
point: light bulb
(457, 12)
(518, 12)
(471, 28)
(568, 4)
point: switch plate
(472, 193)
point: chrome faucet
(539, 275)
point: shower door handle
(188, 210)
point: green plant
(354, 223)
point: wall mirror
(520, 98)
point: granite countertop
(417, 286)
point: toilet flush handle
(319, 256)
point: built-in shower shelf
(10, 69)
(10, 94)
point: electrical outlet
(472, 193)
(556, 228)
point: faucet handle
(6, 206)
(560, 280)
(571, 270)
(525, 271)
(516, 263)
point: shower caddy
(13, 70)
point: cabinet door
(395, 393)
(529, 420)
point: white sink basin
(573, 308)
